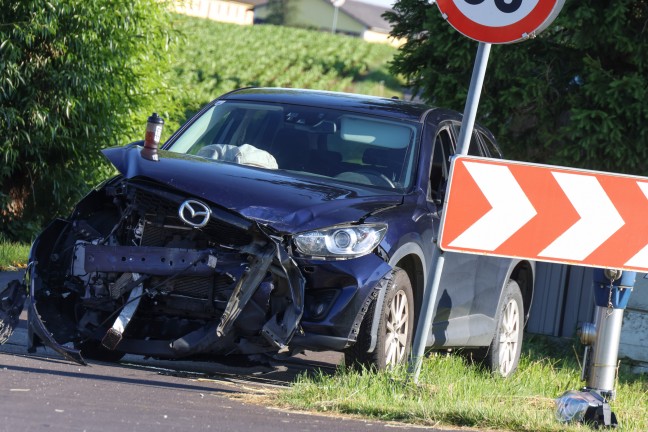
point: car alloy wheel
(397, 325)
(395, 330)
(504, 353)
(509, 338)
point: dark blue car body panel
(286, 202)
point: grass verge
(13, 256)
(454, 391)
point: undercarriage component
(115, 333)
(37, 328)
(245, 288)
(163, 261)
(280, 330)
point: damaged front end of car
(145, 269)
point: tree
(279, 12)
(72, 75)
(575, 95)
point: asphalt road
(41, 391)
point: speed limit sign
(500, 21)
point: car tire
(503, 354)
(395, 328)
(93, 350)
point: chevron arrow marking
(599, 219)
(641, 259)
(546, 213)
(511, 209)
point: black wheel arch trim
(516, 266)
(401, 253)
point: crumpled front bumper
(268, 256)
(12, 302)
(289, 326)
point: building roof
(368, 14)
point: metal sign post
(486, 21)
(612, 289)
(474, 92)
(430, 293)
(337, 4)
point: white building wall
(217, 10)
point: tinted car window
(491, 149)
(348, 147)
(475, 148)
(440, 164)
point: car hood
(284, 202)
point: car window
(314, 141)
(229, 124)
(443, 150)
(373, 148)
(475, 148)
(491, 148)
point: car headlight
(343, 241)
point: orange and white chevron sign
(546, 213)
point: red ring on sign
(505, 34)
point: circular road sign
(500, 21)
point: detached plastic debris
(12, 301)
(587, 407)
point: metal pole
(611, 297)
(612, 289)
(472, 101)
(425, 321)
(335, 17)
(605, 351)
(430, 294)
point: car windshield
(341, 145)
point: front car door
(470, 284)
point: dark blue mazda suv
(274, 221)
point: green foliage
(12, 255)
(72, 74)
(574, 95)
(215, 58)
(279, 11)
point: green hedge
(575, 95)
(73, 74)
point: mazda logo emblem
(194, 213)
